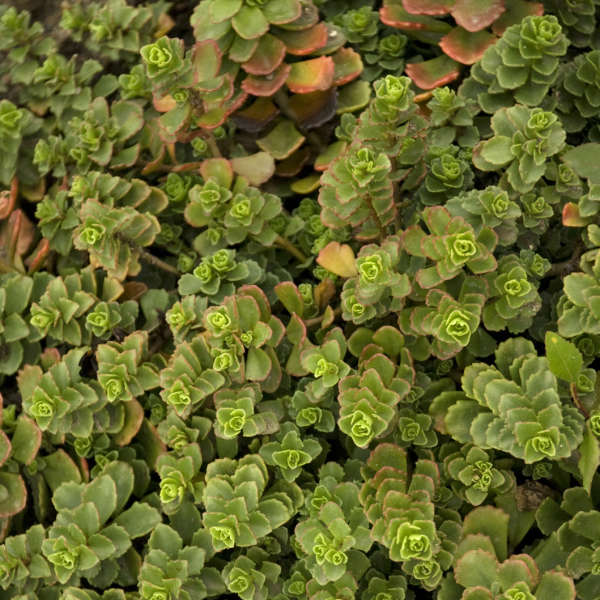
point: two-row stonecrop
(300, 300)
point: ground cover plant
(299, 300)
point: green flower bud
(364, 165)
(585, 383)
(239, 580)
(64, 558)
(204, 272)
(519, 592)
(161, 57)
(410, 430)
(199, 147)
(42, 318)
(232, 420)
(320, 548)
(219, 321)
(392, 46)
(594, 422)
(393, 90)
(83, 446)
(42, 405)
(11, 118)
(172, 487)
(309, 416)
(241, 209)
(114, 387)
(223, 534)
(412, 542)
(370, 268)
(325, 367)
(542, 443)
(517, 287)
(177, 187)
(92, 233)
(224, 360)
(223, 261)
(99, 319)
(179, 396)
(462, 247)
(425, 569)
(361, 426)
(456, 325)
(185, 262)
(540, 32)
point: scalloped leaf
(515, 12)
(311, 75)
(305, 41)
(353, 97)
(256, 116)
(475, 15)
(282, 141)
(266, 85)
(571, 216)
(347, 66)
(396, 16)
(466, 47)
(269, 54)
(433, 73)
(313, 109)
(427, 7)
(14, 494)
(206, 60)
(257, 168)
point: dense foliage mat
(300, 300)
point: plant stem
(287, 245)
(577, 401)
(424, 96)
(317, 320)
(212, 144)
(566, 266)
(157, 262)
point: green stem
(287, 245)
(157, 262)
(317, 320)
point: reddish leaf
(215, 116)
(339, 259)
(38, 257)
(164, 104)
(256, 116)
(515, 12)
(313, 109)
(466, 47)
(433, 73)
(8, 199)
(427, 7)
(305, 41)
(206, 59)
(311, 75)
(268, 55)
(348, 66)
(396, 16)
(293, 164)
(571, 216)
(133, 290)
(475, 15)
(308, 18)
(134, 415)
(266, 85)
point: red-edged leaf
(8, 198)
(256, 116)
(293, 164)
(515, 12)
(353, 96)
(215, 116)
(427, 7)
(256, 168)
(164, 103)
(348, 66)
(475, 15)
(433, 73)
(308, 17)
(396, 16)
(38, 257)
(290, 297)
(571, 216)
(219, 169)
(311, 75)
(282, 141)
(266, 85)
(313, 109)
(269, 54)
(206, 59)
(134, 415)
(330, 153)
(466, 47)
(305, 41)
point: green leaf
(497, 150)
(564, 359)
(589, 458)
(139, 519)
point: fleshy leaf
(434, 72)
(564, 358)
(466, 47)
(311, 75)
(339, 259)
